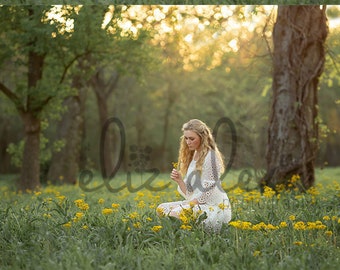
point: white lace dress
(206, 188)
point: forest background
(153, 68)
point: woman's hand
(176, 176)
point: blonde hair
(207, 143)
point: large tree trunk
(30, 173)
(299, 55)
(103, 89)
(30, 170)
(64, 166)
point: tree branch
(12, 96)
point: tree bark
(30, 170)
(103, 89)
(299, 36)
(64, 166)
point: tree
(299, 36)
(38, 47)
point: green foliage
(61, 227)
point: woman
(201, 164)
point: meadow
(65, 227)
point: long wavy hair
(207, 143)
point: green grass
(47, 230)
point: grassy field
(64, 227)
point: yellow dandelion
(313, 191)
(85, 207)
(256, 253)
(133, 215)
(298, 243)
(125, 220)
(61, 198)
(223, 206)
(292, 217)
(37, 193)
(149, 219)
(140, 194)
(79, 214)
(160, 211)
(156, 228)
(186, 227)
(67, 225)
(137, 225)
(79, 202)
(268, 192)
(295, 178)
(326, 218)
(271, 227)
(141, 204)
(191, 204)
(300, 225)
(283, 224)
(152, 206)
(175, 165)
(107, 211)
(329, 233)
(115, 205)
(101, 201)
(85, 227)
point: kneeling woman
(201, 164)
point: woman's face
(192, 140)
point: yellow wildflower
(295, 178)
(283, 224)
(107, 211)
(115, 205)
(298, 243)
(101, 201)
(326, 218)
(85, 227)
(300, 225)
(160, 211)
(67, 225)
(37, 193)
(268, 192)
(79, 214)
(256, 253)
(223, 206)
(313, 191)
(152, 206)
(292, 217)
(328, 233)
(186, 227)
(133, 215)
(141, 204)
(156, 228)
(175, 165)
(80, 203)
(149, 219)
(61, 198)
(137, 225)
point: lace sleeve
(210, 175)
